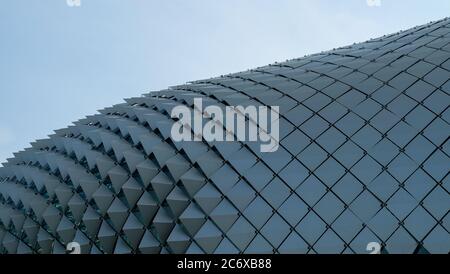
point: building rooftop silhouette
(364, 157)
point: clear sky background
(60, 63)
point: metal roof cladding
(364, 157)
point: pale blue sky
(59, 63)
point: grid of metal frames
(364, 157)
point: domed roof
(363, 157)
